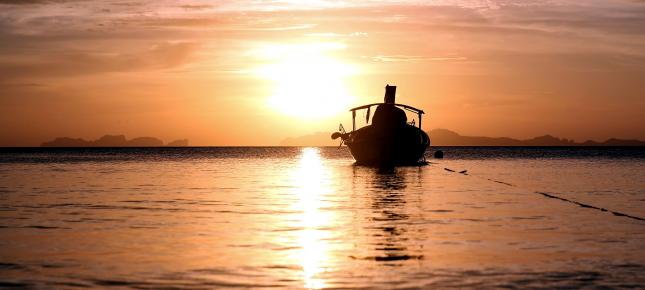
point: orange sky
(244, 73)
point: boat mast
(353, 120)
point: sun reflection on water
(312, 184)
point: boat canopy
(409, 108)
(405, 107)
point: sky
(228, 73)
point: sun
(308, 82)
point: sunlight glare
(307, 81)
(312, 180)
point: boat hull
(391, 147)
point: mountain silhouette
(178, 143)
(444, 137)
(315, 139)
(112, 141)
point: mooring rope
(549, 195)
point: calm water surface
(308, 218)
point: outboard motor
(341, 134)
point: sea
(309, 218)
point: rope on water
(551, 195)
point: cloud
(27, 2)
(160, 56)
(604, 18)
(282, 28)
(337, 35)
(448, 31)
(196, 6)
(413, 58)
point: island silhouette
(438, 137)
(445, 137)
(113, 141)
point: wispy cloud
(65, 64)
(337, 35)
(413, 58)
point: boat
(389, 140)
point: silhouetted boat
(391, 141)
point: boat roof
(409, 108)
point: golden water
(309, 218)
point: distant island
(113, 141)
(312, 140)
(444, 137)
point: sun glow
(308, 82)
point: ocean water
(308, 218)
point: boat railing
(419, 112)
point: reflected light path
(312, 182)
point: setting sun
(307, 80)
